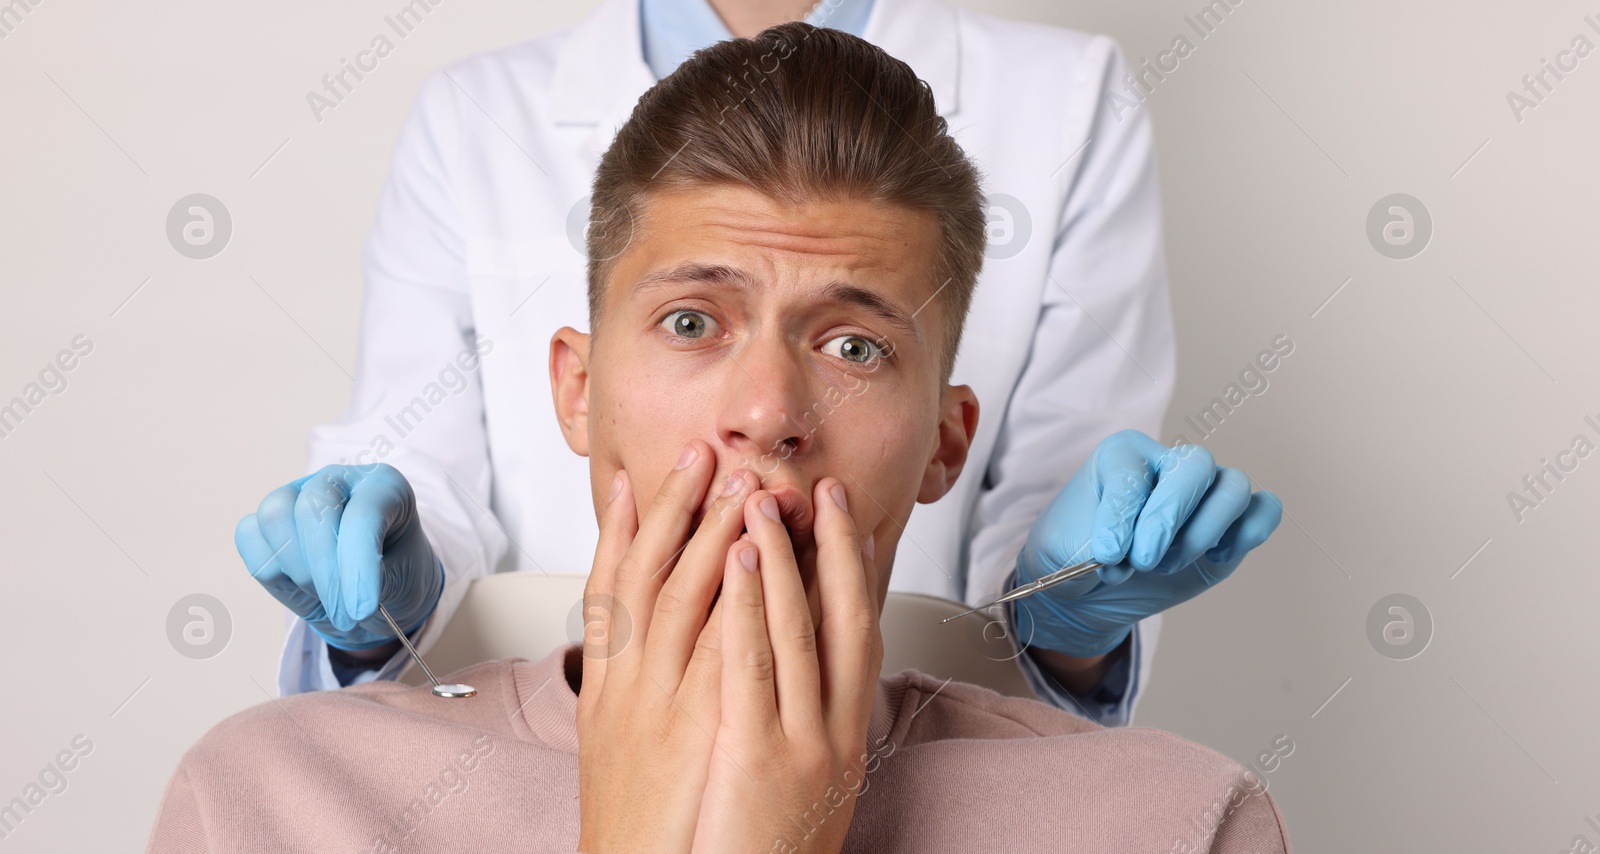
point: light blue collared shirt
(674, 29)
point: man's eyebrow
(721, 275)
(708, 274)
(873, 303)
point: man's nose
(766, 412)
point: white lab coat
(478, 238)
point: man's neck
(745, 18)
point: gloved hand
(1166, 522)
(326, 544)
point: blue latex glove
(325, 545)
(1167, 523)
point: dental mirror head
(452, 691)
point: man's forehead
(855, 232)
(870, 254)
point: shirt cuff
(387, 670)
(317, 672)
(1110, 703)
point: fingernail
(748, 558)
(616, 487)
(838, 497)
(735, 484)
(689, 453)
(872, 548)
(769, 506)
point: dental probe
(452, 690)
(1032, 587)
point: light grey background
(1418, 395)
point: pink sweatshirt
(383, 767)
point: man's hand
(1167, 523)
(796, 700)
(328, 544)
(648, 706)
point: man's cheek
(620, 425)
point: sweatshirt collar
(549, 706)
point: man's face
(797, 341)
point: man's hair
(798, 113)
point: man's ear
(569, 386)
(956, 428)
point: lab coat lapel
(926, 35)
(600, 75)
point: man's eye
(687, 323)
(854, 348)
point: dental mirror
(451, 690)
